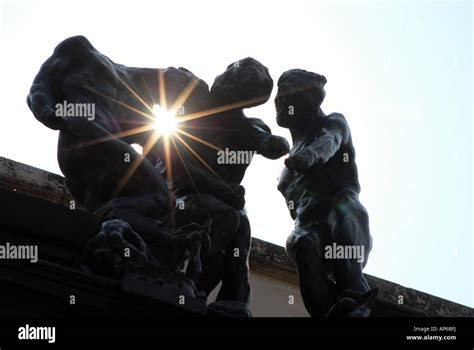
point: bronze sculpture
(203, 199)
(321, 188)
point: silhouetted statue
(101, 108)
(331, 241)
(225, 141)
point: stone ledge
(271, 259)
(44, 289)
(36, 182)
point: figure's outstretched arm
(268, 145)
(334, 134)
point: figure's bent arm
(268, 145)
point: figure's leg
(349, 227)
(235, 278)
(223, 231)
(204, 208)
(97, 171)
(306, 248)
(211, 273)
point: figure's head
(246, 81)
(300, 94)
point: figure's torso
(322, 182)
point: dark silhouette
(321, 188)
(209, 188)
(104, 173)
(95, 154)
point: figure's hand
(274, 147)
(239, 190)
(300, 162)
(43, 110)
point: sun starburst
(163, 123)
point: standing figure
(209, 157)
(331, 241)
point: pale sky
(400, 71)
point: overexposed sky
(400, 71)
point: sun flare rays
(161, 123)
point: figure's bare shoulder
(336, 122)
